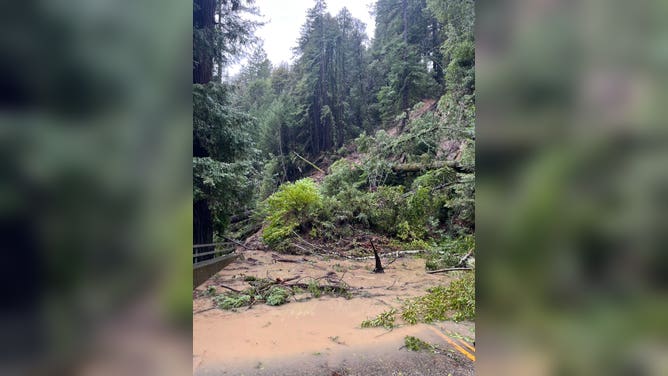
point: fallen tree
(421, 167)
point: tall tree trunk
(406, 83)
(323, 89)
(203, 21)
(437, 56)
(202, 228)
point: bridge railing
(222, 248)
(206, 264)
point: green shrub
(293, 207)
(342, 175)
(277, 296)
(384, 212)
(404, 231)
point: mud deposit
(322, 336)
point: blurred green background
(572, 187)
(95, 194)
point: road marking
(454, 344)
(466, 344)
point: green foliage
(232, 32)
(413, 244)
(227, 187)
(437, 201)
(385, 319)
(342, 175)
(461, 297)
(225, 164)
(336, 89)
(268, 291)
(387, 205)
(314, 289)
(416, 344)
(329, 89)
(449, 252)
(456, 302)
(232, 301)
(219, 130)
(271, 176)
(277, 296)
(400, 52)
(293, 207)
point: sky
(284, 19)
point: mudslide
(322, 336)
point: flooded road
(322, 336)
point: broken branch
(309, 162)
(447, 270)
(231, 289)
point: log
(240, 244)
(395, 254)
(418, 167)
(462, 261)
(446, 270)
(231, 289)
(204, 310)
(309, 162)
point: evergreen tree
(330, 64)
(253, 84)
(406, 58)
(222, 149)
(458, 58)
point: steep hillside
(408, 187)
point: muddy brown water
(321, 336)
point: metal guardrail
(205, 269)
(210, 244)
(218, 252)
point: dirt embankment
(321, 336)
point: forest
(360, 150)
(362, 145)
(376, 136)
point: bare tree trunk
(202, 229)
(437, 56)
(203, 21)
(406, 83)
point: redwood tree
(221, 172)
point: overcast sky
(285, 19)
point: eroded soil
(322, 336)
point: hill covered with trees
(359, 139)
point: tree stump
(379, 266)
